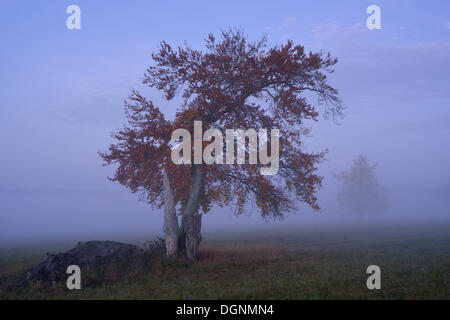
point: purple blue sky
(62, 92)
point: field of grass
(318, 263)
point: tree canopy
(233, 83)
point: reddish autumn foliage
(232, 84)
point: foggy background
(62, 93)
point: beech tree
(233, 83)
(360, 192)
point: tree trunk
(191, 222)
(170, 221)
(193, 236)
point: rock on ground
(94, 253)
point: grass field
(316, 263)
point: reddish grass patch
(247, 254)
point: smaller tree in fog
(360, 192)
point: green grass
(291, 264)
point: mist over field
(74, 215)
(62, 93)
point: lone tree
(360, 192)
(232, 84)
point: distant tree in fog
(360, 192)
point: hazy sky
(62, 93)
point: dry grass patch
(246, 254)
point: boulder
(94, 253)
